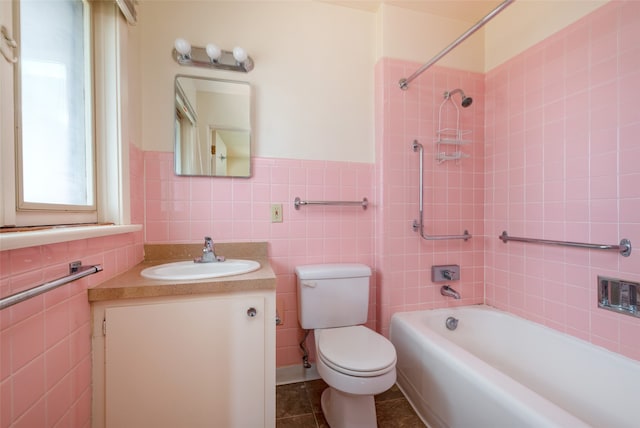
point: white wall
(313, 79)
(416, 36)
(312, 82)
(526, 22)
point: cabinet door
(196, 363)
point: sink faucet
(208, 253)
(447, 291)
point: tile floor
(298, 406)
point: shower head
(466, 101)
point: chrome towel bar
(297, 202)
(624, 248)
(76, 271)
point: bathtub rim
(622, 359)
(534, 406)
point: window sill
(15, 240)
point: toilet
(355, 361)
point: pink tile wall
(453, 190)
(45, 342)
(563, 163)
(136, 185)
(185, 209)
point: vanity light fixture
(212, 56)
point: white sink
(189, 270)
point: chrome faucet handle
(208, 244)
(447, 274)
(208, 253)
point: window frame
(40, 214)
(23, 206)
(112, 197)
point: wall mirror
(212, 127)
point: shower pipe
(404, 83)
(418, 225)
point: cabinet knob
(252, 312)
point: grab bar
(76, 271)
(297, 202)
(404, 83)
(624, 248)
(419, 225)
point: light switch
(276, 213)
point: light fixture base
(199, 58)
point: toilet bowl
(356, 363)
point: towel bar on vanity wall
(76, 271)
(297, 202)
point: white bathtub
(498, 370)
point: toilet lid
(356, 351)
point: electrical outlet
(276, 213)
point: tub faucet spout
(208, 253)
(447, 291)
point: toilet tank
(333, 295)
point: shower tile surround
(453, 190)
(562, 162)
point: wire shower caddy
(446, 136)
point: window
(54, 138)
(62, 160)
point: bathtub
(498, 370)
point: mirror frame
(213, 128)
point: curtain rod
(404, 83)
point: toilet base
(343, 410)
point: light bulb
(239, 54)
(213, 51)
(183, 47)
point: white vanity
(185, 354)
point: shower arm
(449, 94)
(418, 225)
(404, 83)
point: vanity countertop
(132, 285)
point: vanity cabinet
(185, 361)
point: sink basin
(188, 270)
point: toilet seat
(356, 351)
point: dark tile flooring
(298, 406)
